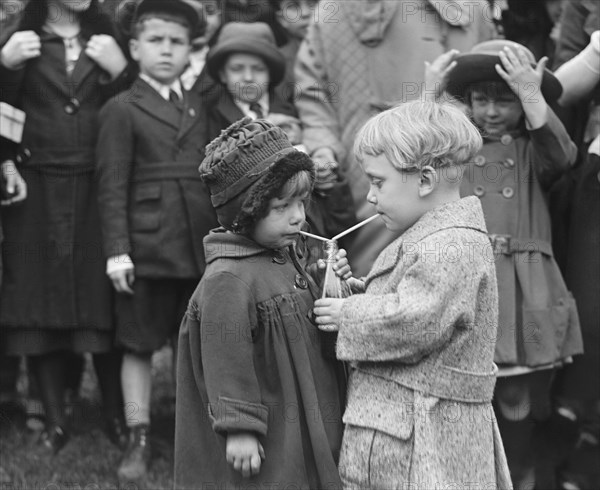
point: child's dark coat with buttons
(250, 360)
(53, 266)
(538, 321)
(153, 205)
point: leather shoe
(54, 438)
(136, 460)
(117, 432)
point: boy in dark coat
(257, 401)
(154, 209)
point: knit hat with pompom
(245, 167)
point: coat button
(509, 162)
(598, 176)
(279, 258)
(301, 281)
(479, 190)
(508, 192)
(506, 139)
(26, 153)
(72, 107)
(192, 112)
(480, 160)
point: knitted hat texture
(245, 166)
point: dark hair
(93, 20)
(138, 27)
(492, 89)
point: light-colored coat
(421, 339)
(359, 58)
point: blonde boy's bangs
(419, 133)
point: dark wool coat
(421, 338)
(250, 359)
(538, 321)
(153, 205)
(53, 265)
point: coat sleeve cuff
(229, 415)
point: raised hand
(326, 166)
(105, 51)
(517, 72)
(436, 73)
(20, 47)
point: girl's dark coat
(250, 359)
(53, 265)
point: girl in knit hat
(257, 401)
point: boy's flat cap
(134, 9)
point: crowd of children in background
(106, 229)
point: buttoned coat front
(153, 204)
(421, 339)
(53, 267)
(538, 322)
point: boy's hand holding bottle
(327, 310)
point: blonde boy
(420, 332)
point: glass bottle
(333, 287)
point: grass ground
(89, 461)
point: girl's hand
(16, 187)
(105, 51)
(19, 48)
(436, 73)
(328, 313)
(244, 453)
(122, 280)
(341, 267)
(517, 72)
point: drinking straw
(355, 227)
(306, 233)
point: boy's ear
(133, 49)
(428, 180)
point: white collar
(163, 90)
(263, 102)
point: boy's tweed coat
(153, 204)
(421, 338)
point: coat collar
(464, 213)
(69, 85)
(151, 102)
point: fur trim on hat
(245, 167)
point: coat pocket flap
(147, 192)
(380, 404)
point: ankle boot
(136, 460)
